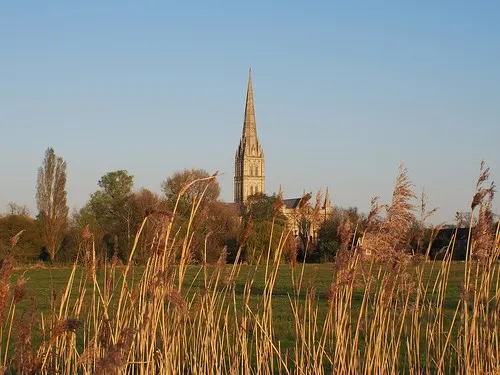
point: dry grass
(156, 325)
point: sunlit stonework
(249, 161)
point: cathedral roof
(291, 202)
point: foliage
(145, 203)
(218, 230)
(266, 225)
(260, 207)
(51, 201)
(16, 209)
(338, 229)
(29, 243)
(328, 240)
(109, 214)
(208, 190)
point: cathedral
(249, 173)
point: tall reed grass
(152, 324)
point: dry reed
(153, 323)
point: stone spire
(249, 161)
(327, 202)
(249, 127)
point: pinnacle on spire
(249, 127)
(327, 202)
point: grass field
(45, 284)
(48, 284)
(352, 316)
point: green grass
(46, 283)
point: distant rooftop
(291, 203)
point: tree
(220, 230)
(51, 201)
(339, 231)
(328, 242)
(117, 185)
(148, 203)
(16, 209)
(260, 212)
(260, 207)
(464, 219)
(208, 189)
(110, 212)
(28, 243)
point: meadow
(378, 308)
(44, 284)
(226, 317)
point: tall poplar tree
(51, 201)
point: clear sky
(344, 92)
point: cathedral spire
(249, 127)
(249, 177)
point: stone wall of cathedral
(249, 177)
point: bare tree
(18, 210)
(51, 201)
(173, 185)
(464, 219)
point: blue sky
(344, 93)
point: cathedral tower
(249, 160)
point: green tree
(260, 207)
(110, 213)
(328, 239)
(51, 201)
(267, 224)
(343, 221)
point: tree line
(113, 214)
